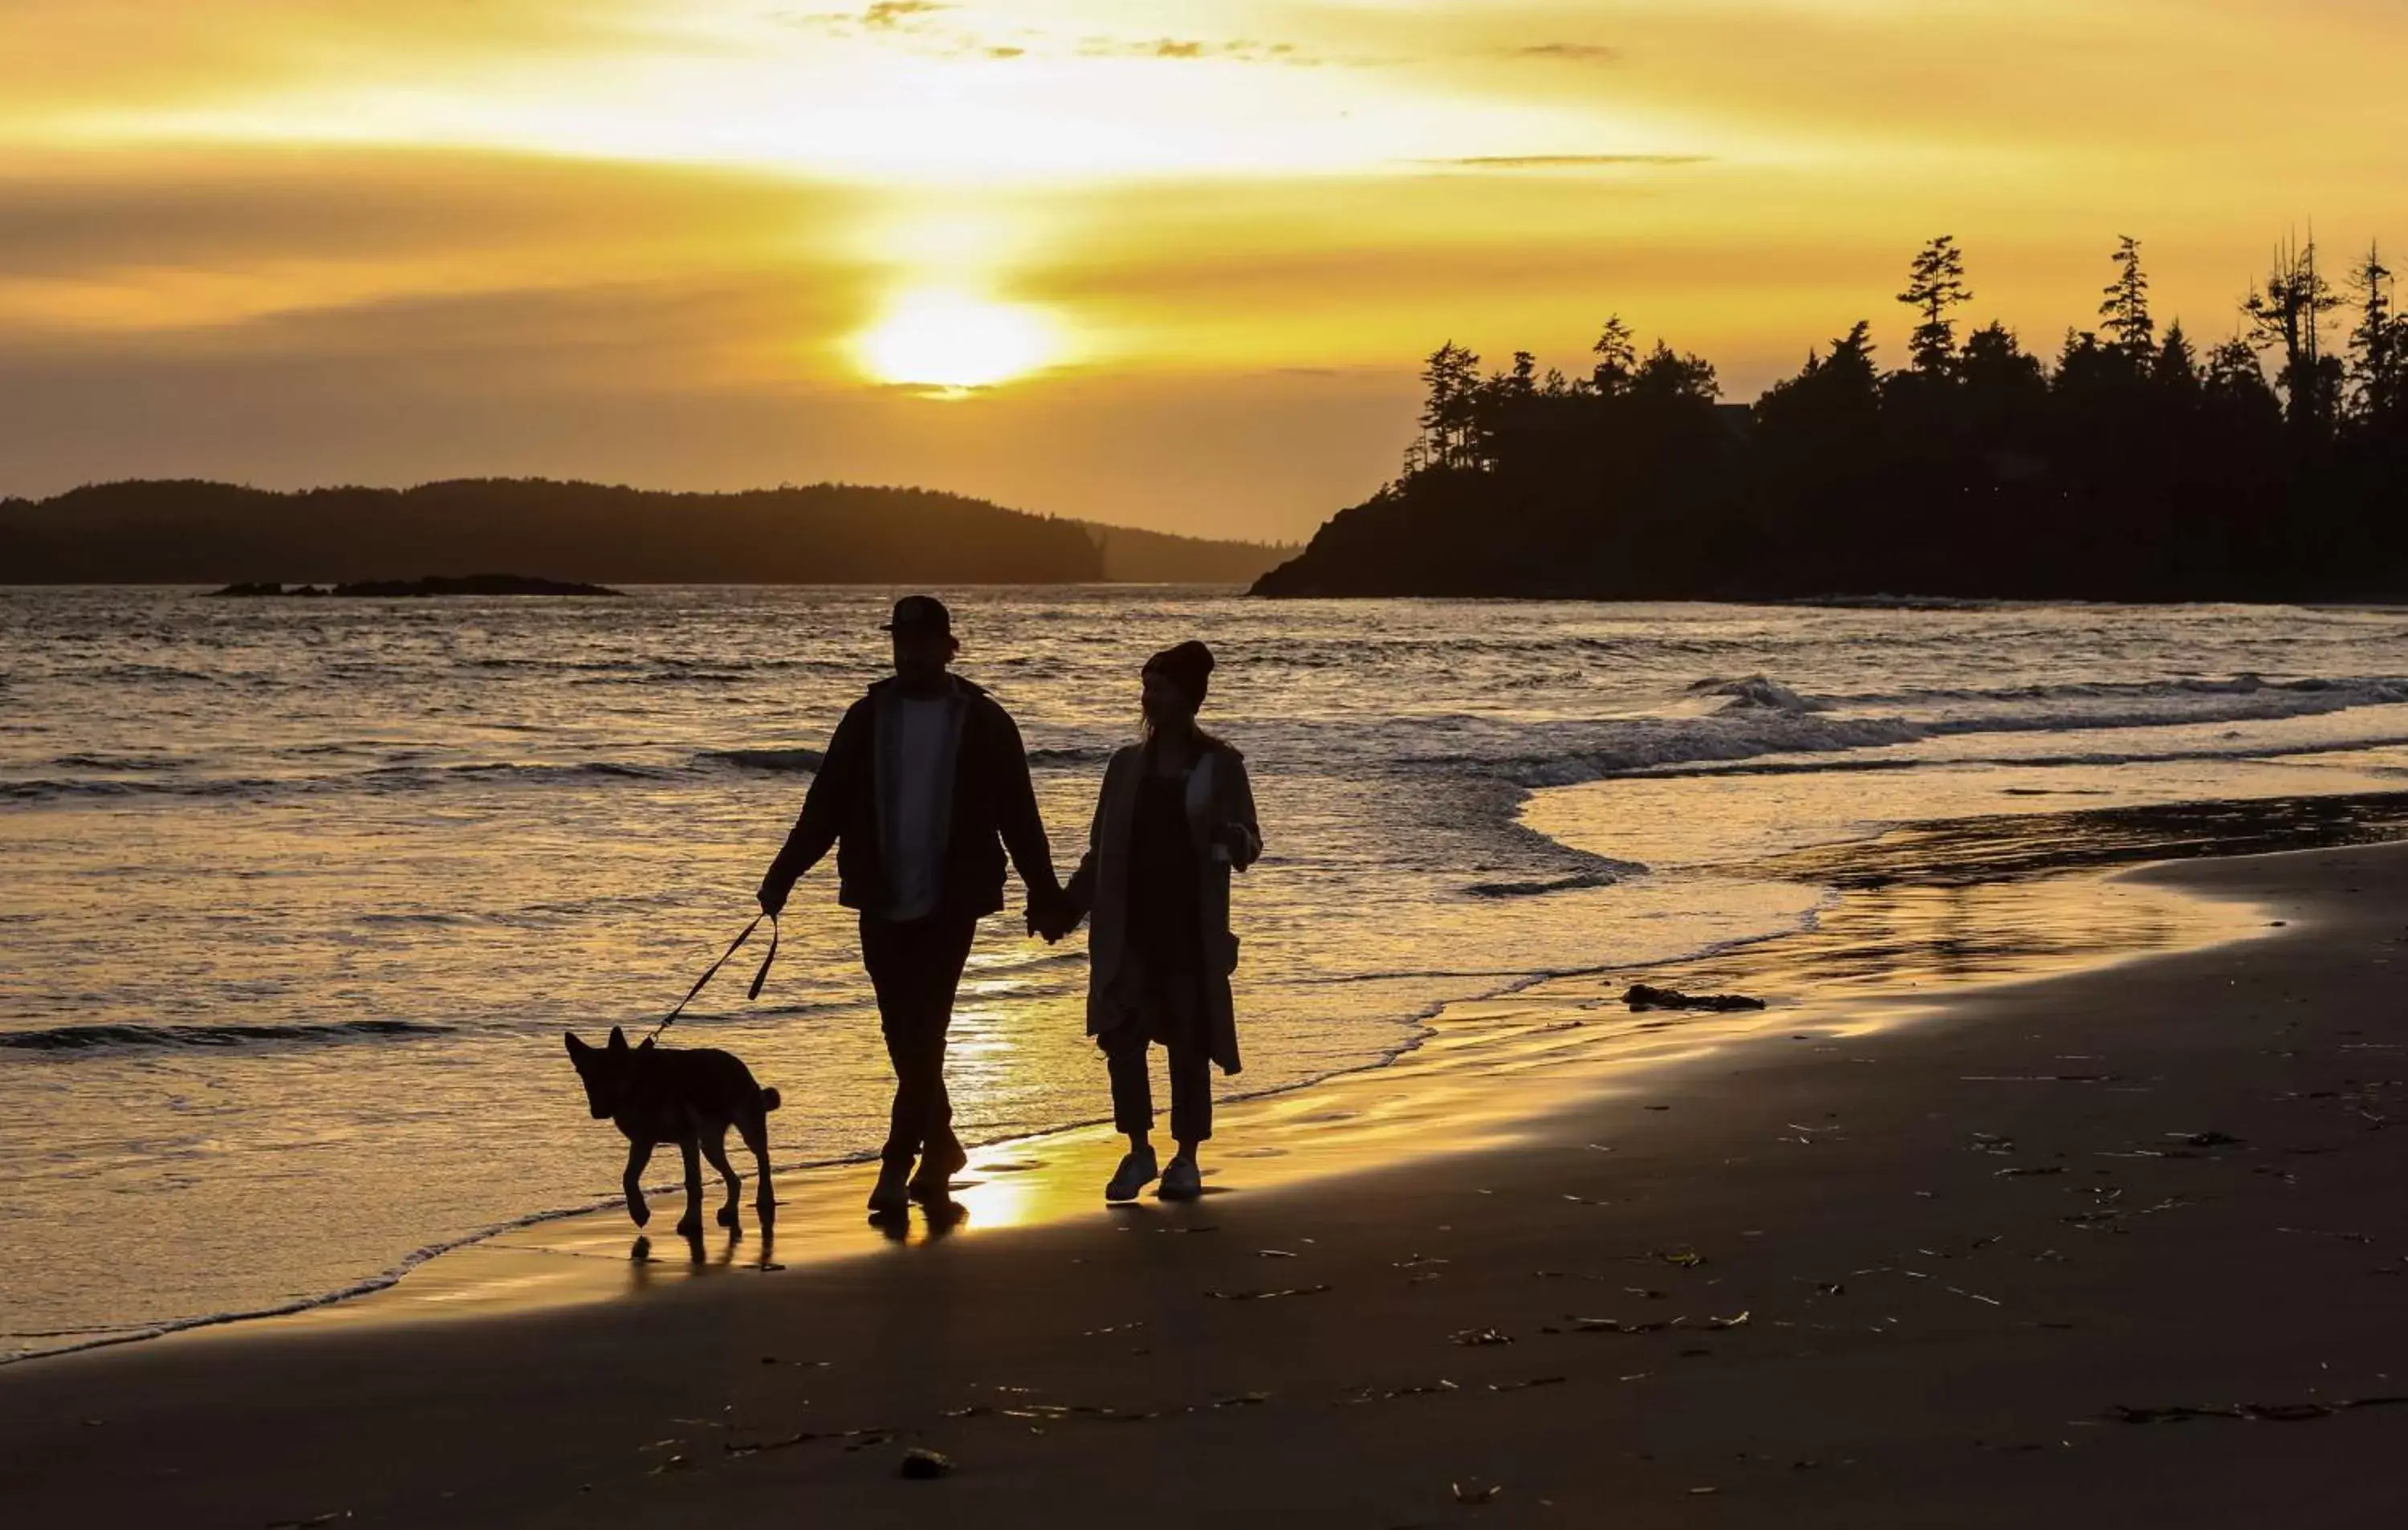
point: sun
(954, 340)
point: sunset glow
(950, 340)
(700, 245)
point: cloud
(894, 12)
(1571, 52)
(1242, 49)
(1565, 161)
(881, 16)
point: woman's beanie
(1188, 666)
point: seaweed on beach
(1642, 997)
(1267, 1296)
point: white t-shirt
(918, 815)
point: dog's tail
(768, 1100)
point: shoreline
(578, 1256)
(1963, 1272)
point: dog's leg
(755, 1128)
(639, 1154)
(690, 1225)
(714, 1147)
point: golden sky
(1167, 263)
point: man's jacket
(993, 806)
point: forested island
(2139, 464)
(173, 532)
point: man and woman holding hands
(925, 789)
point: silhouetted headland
(2137, 466)
(433, 585)
(178, 532)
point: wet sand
(1902, 1255)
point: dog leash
(758, 978)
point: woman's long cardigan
(1218, 794)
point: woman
(1174, 817)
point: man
(925, 775)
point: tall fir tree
(2378, 346)
(2124, 314)
(1935, 286)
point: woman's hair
(1147, 733)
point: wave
(55, 788)
(92, 1037)
(390, 777)
(2243, 698)
(1758, 694)
(115, 761)
(1762, 718)
(1647, 745)
(766, 759)
(1073, 755)
(1575, 884)
(2259, 750)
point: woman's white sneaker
(1136, 1172)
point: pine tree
(2289, 313)
(1617, 357)
(2379, 345)
(2124, 314)
(1935, 285)
(2175, 366)
(1668, 374)
(1452, 379)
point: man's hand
(773, 900)
(1050, 916)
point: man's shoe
(1136, 1172)
(935, 1181)
(1182, 1180)
(892, 1194)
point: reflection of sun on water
(953, 340)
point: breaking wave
(89, 1038)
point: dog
(655, 1094)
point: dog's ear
(576, 1048)
(618, 1039)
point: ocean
(299, 897)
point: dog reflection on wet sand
(656, 1094)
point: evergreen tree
(1450, 378)
(2289, 313)
(2124, 314)
(2379, 345)
(1668, 375)
(2005, 389)
(1617, 357)
(2175, 369)
(1935, 286)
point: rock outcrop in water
(433, 585)
(2133, 468)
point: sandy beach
(2121, 1245)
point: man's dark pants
(915, 968)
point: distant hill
(191, 532)
(1152, 557)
